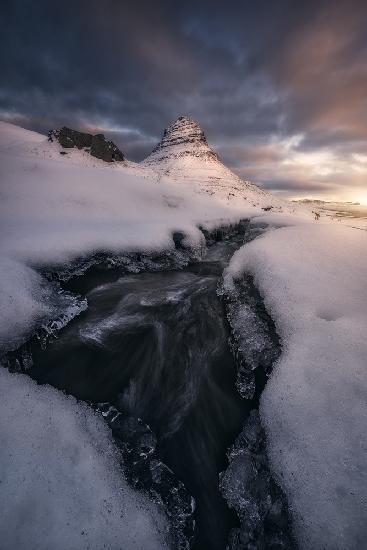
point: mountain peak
(183, 138)
(184, 156)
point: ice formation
(313, 280)
(249, 488)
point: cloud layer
(279, 87)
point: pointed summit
(182, 138)
(184, 156)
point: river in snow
(155, 346)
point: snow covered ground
(347, 213)
(61, 482)
(314, 407)
(58, 208)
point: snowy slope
(313, 280)
(184, 156)
(17, 143)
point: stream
(155, 347)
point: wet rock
(97, 145)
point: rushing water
(156, 345)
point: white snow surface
(314, 282)
(347, 213)
(61, 484)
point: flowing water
(156, 345)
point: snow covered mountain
(184, 156)
(182, 138)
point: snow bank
(61, 483)
(314, 409)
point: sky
(279, 87)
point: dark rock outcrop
(97, 145)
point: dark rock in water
(250, 490)
(145, 471)
(98, 146)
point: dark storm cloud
(253, 74)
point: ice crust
(144, 469)
(314, 409)
(253, 341)
(250, 490)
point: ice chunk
(144, 469)
(254, 341)
(250, 490)
(28, 301)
